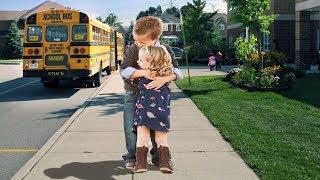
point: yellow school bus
(67, 44)
(119, 47)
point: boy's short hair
(150, 25)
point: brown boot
(165, 162)
(141, 160)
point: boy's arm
(126, 68)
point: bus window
(79, 33)
(56, 33)
(34, 34)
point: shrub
(274, 58)
(246, 77)
(267, 78)
(245, 51)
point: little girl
(153, 109)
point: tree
(112, 20)
(100, 19)
(198, 28)
(151, 11)
(14, 46)
(254, 14)
(173, 11)
(129, 38)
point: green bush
(246, 77)
(266, 78)
(274, 58)
(245, 51)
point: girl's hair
(160, 60)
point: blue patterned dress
(152, 107)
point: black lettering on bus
(67, 15)
(52, 16)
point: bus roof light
(32, 19)
(83, 18)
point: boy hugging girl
(147, 69)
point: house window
(266, 43)
(169, 27)
(178, 27)
(174, 27)
(165, 27)
(222, 27)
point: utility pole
(247, 33)
(184, 44)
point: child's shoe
(141, 160)
(165, 162)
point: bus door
(57, 46)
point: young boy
(146, 32)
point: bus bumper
(58, 74)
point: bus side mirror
(20, 24)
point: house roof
(11, 15)
(15, 15)
(168, 18)
(220, 16)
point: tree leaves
(252, 13)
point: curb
(27, 167)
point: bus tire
(108, 70)
(117, 65)
(98, 78)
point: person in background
(219, 61)
(212, 61)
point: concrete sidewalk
(91, 145)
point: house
(171, 27)
(282, 30)
(220, 20)
(307, 37)
(8, 17)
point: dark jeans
(218, 66)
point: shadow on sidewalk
(113, 102)
(91, 171)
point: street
(31, 114)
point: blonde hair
(150, 25)
(159, 59)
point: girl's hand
(148, 74)
(157, 83)
(160, 81)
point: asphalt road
(31, 114)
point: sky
(126, 10)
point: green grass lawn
(277, 134)
(10, 61)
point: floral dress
(152, 107)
